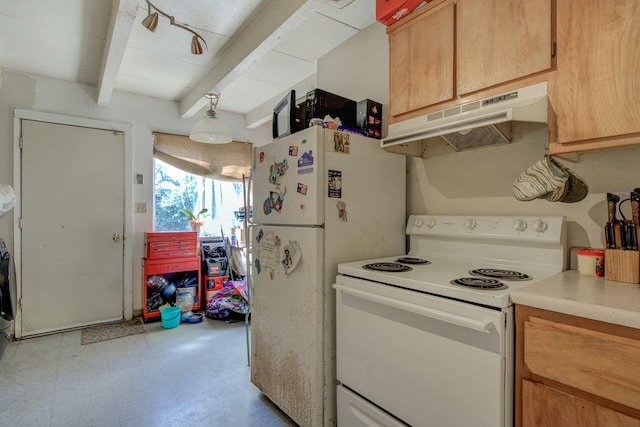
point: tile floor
(193, 375)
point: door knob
(116, 237)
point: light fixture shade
(151, 21)
(210, 130)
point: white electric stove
(419, 333)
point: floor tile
(195, 375)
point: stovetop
(532, 248)
(435, 278)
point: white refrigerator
(320, 197)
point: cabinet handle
(116, 237)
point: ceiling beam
(279, 19)
(123, 14)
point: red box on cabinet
(391, 11)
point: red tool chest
(171, 244)
(172, 262)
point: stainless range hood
(478, 123)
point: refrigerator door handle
(478, 325)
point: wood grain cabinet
(572, 371)
(451, 48)
(597, 96)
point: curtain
(222, 162)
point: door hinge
(554, 48)
(20, 223)
(20, 142)
(20, 304)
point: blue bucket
(170, 317)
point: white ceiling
(257, 49)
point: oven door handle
(478, 325)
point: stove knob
(431, 222)
(539, 226)
(418, 222)
(520, 225)
(470, 224)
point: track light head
(151, 21)
(196, 47)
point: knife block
(622, 266)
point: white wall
(479, 182)
(359, 68)
(144, 114)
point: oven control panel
(547, 229)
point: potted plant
(195, 220)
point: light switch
(139, 178)
(141, 208)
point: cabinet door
(544, 406)
(500, 41)
(597, 69)
(421, 61)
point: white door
(72, 208)
(287, 320)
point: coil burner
(390, 267)
(495, 273)
(412, 260)
(479, 283)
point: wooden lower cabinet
(572, 371)
(544, 406)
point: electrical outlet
(141, 208)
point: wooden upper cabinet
(598, 70)
(450, 48)
(501, 40)
(421, 61)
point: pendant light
(210, 130)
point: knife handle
(609, 236)
(635, 207)
(633, 234)
(612, 199)
(617, 233)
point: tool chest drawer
(169, 266)
(160, 245)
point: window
(176, 189)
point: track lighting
(151, 23)
(210, 130)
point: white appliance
(320, 197)
(414, 347)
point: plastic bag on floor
(229, 302)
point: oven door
(425, 359)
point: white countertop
(584, 296)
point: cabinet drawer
(164, 266)
(599, 363)
(547, 407)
